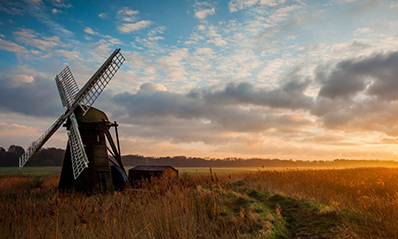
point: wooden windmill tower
(87, 166)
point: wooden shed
(147, 172)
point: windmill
(86, 166)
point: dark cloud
(359, 94)
(350, 77)
(206, 114)
(29, 95)
(384, 70)
(343, 81)
(289, 96)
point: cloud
(55, 11)
(271, 2)
(393, 5)
(214, 37)
(350, 49)
(151, 41)
(282, 13)
(203, 9)
(236, 5)
(375, 73)
(17, 80)
(90, 31)
(341, 82)
(273, 67)
(202, 14)
(106, 39)
(210, 114)
(29, 95)
(127, 15)
(29, 37)
(359, 94)
(12, 130)
(17, 134)
(38, 10)
(152, 88)
(132, 27)
(289, 96)
(103, 15)
(61, 3)
(364, 30)
(12, 7)
(11, 46)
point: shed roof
(151, 168)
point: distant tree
(3, 162)
(12, 155)
(47, 157)
(17, 150)
(44, 157)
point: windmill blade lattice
(67, 87)
(78, 154)
(90, 92)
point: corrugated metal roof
(151, 168)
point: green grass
(33, 171)
(206, 170)
(297, 218)
(43, 171)
(221, 170)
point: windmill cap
(93, 115)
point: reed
(187, 208)
(368, 197)
(352, 203)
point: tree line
(45, 157)
(183, 161)
(54, 157)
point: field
(33, 171)
(339, 203)
(43, 171)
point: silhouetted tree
(47, 157)
(12, 155)
(3, 162)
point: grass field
(206, 170)
(33, 171)
(343, 203)
(43, 171)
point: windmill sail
(67, 87)
(93, 88)
(78, 154)
(73, 98)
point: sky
(302, 80)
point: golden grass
(200, 206)
(17, 184)
(174, 209)
(369, 196)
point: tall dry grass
(19, 184)
(160, 209)
(198, 206)
(369, 196)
